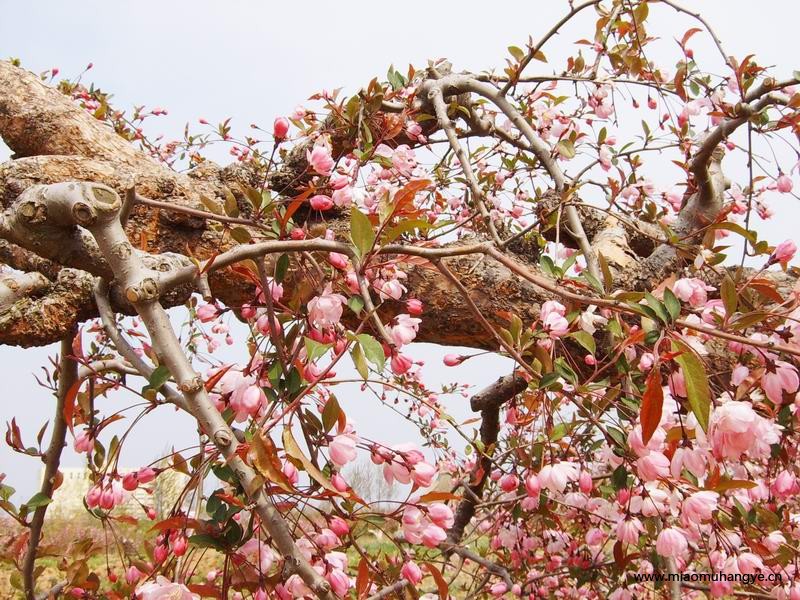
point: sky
(253, 61)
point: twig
(67, 378)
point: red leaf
(652, 404)
(214, 379)
(363, 579)
(179, 523)
(619, 555)
(406, 195)
(441, 584)
(69, 404)
(689, 34)
(293, 206)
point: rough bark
(54, 141)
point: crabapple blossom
(164, 589)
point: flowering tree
(648, 424)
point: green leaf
(281, 267)
(697, 388)
(330, 414)
(672, 303)
(585, 340)
(203, 540)
(594, 282)
(730, 299)
(241, 235)
(356, 304)
(516, 52)
(361, 231)
(37, 500)
(373, 351)
(315, 350)
(566, 149)
(231, 206)
(404, 227)
(359, 361)
(657, 307)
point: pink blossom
(441, 515)
(433, 535)
(338, 260)
(628, 530)
(422, 474)
(84, 442)
(400, 364)
(343, 197)
(783, 253)
(280, 128)
(585, 483)
(785, 485)
(784, 184)
(552, 307)
(779, 377)
(646, 361)
(321, 202)
(342, 449)
(652, 466)
(339, 483)
(291, 472)
(164, 589)
(691, 290)
(327, 539)
(675, 198)
(532, 485)
(411, 572)
(132, 575)
(320, 159)
(391, 289)
(735, 429)
(246, 401)
(498, 589)
(405, 329)
(145, 475)
(207, 312)
(326, 309)
(555, 476)
(339, 581)
(671, 543)
(698, 507)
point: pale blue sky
(257, 60)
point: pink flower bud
(452, 360)
(411, 572)
(280, 128)
(509, 482)
(179, 545)
(160, 553)
(532, 486)
(339, 526)
(130, 482)
(784, 184)
(784, 252)
(339, 483)
(414, 307)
